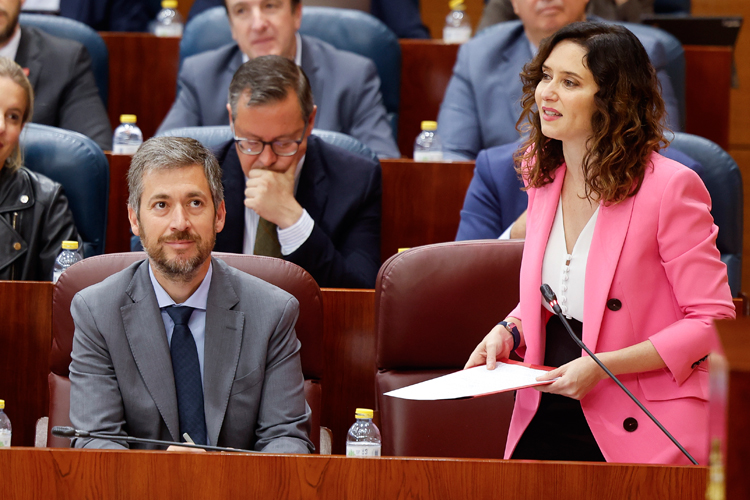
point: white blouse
(565, 272)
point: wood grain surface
(76, 474)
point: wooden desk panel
(118, 227)
(708, 82)
(33, 474)
(421, 202)
(142, 77)
(25, 342)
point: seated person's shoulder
(496, 37)
(341, 162)
(251, 287)
(211, 60)
(45, 189)
(326, 55)
(53, 47)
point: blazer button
(614, 304)
(630, 424)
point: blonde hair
(9, 69)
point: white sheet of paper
(475, 381)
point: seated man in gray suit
(181, 343)
(345, 85)
(482, 102)
(65, 92)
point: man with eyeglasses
(289, 194)
(346, 86)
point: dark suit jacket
(121, 379)
(345, 87)
(65, 92)
(341, 191)
(111, 15)
(494, 199)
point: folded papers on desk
(508, 375)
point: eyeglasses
(280, 148)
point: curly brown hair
(627, 121)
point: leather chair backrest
(76, 162)
(75, 30)
(216, 135)
(285, 275)
(345, 29)
(433, 305)
(722, 178)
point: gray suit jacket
(345, 87)
(482, 102)
(121, 370)
(65, 93)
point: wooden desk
(25, 342)
(48, 473)
(421, 202)
(118, 227)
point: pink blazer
(656, 254)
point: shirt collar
(198, 300)
(297, 56)
(11, 48)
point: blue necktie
(187, 376)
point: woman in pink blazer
(626, 239)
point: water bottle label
(174, 29)
(428, 156)
(362, 450)
(125, 149)
(5, 438)
(460, 34)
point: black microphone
(70, 432)
(551, 299)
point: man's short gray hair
(163, 153)
(268, 79)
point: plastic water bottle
(67, 258)
(168, 20)
(128, 137)
(428, 147)
(457, 25)
(5, 428)
(363, 439)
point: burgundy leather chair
(433, 305)
(281, 273)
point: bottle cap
(169, 4)
(363, 413)
(428, 125)
(128, 118)
(2, 404)
(457, 5)
(70, 245)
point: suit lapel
(313, 183)
(606, 246)
(28, 56)
(311, 67)
(147, 338)
(230, 239)
(223, 343)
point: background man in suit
(182, 343)
(345, 85)
(65, 93)
(289, 194)
(482, 102)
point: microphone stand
(551, 299)
(70, 432)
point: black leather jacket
(34, 221)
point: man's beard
(178, 268)
(10, 28)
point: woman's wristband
(513, 330)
